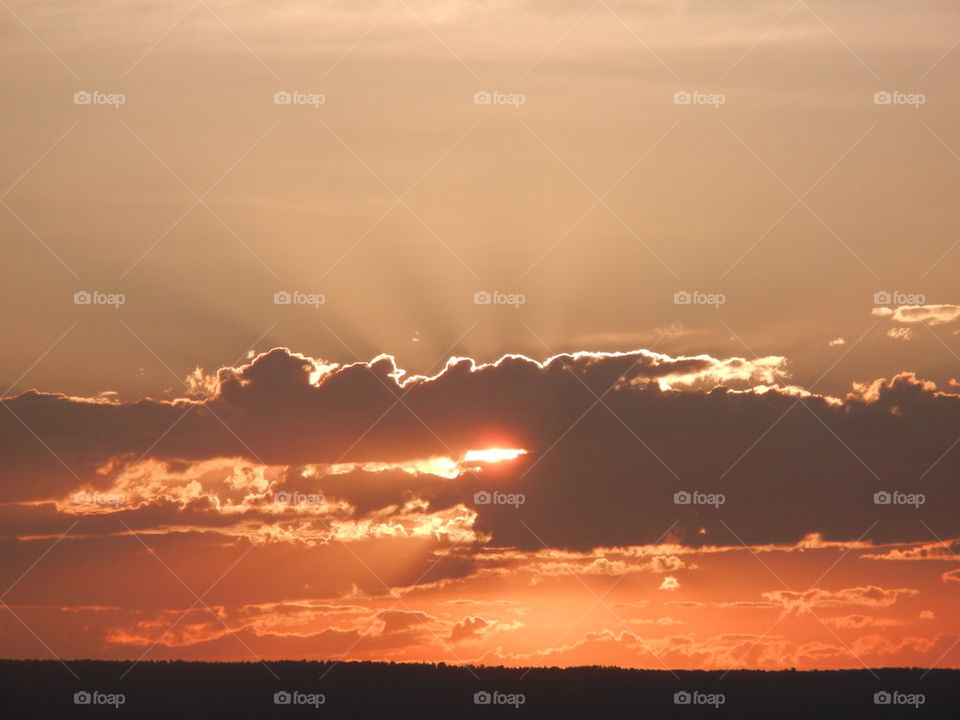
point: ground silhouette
(46, 689)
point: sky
(491, 332)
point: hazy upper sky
(727, 213)
(597, 198)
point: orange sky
(522, 333)
(442, 534)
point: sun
(493, 455)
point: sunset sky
(492, 332)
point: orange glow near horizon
(493, 455)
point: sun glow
(492, 455)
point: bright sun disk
(491, 455)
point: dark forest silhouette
(45, 689)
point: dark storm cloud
(597, 473)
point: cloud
(951, 576)
(920, 551)
(857, 622)
(468, 629)
(669, 583)
(284, 408)
(395, 621)
(752, 604)
(597, 562)
(663, 621)
(861, 596)
(900, 334)
(438, 601)
(915, 314)
(385, 451)
(767, 651)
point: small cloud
(861, 596)
(837, 342)
(900, 333)
(927, 615)
(469, 628)
(669, 583)
(951, 576)
(924, 551)
(913, 314)
(655, 621)
(395, 621)
(858, 622)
